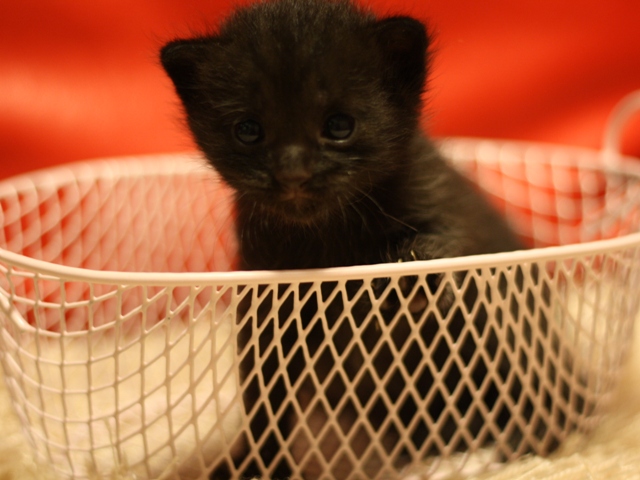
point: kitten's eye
(249, 132)
(339, 127)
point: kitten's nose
(292, 179)
(293, 172)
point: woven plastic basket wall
(359, 372)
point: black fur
(304, 200)
(374, 198)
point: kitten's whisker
(246, 235)
(389, 216)
(365, 222)
(343, 212)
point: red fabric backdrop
(81, 79)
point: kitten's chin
(299, 210)
(300, 213)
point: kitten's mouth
(299, 206)
(295, 195)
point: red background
(81, 79)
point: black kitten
(310, 110)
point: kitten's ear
(181, 60)
(403, 42)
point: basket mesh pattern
(377, 372)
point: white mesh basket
(114, 367)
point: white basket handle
(621, 113)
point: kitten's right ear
(403, 42)
(181, 60)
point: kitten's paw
(414, 290)
(415, 294)
(407, 290)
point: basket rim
(165, 163)
(244, 277)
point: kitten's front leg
(420, 247)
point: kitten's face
(299, 140)
(300, 122)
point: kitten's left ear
(181, 60)
(403, 42)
